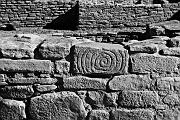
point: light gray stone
(12, 110)
(82, 82)
(54, 106)
(98, 115)
(100, 58)
(46, 88)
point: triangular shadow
(67, 21)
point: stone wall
(50, 77)
(32, 13)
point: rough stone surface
(137, 114)
(32, 80)
(130, 82)
(12, 110)
(58, 47)
(20, 46)
(16, 92)
(98, 115)
(175, 51)
(60, 105)
(141, 99)
(81, 82)
(171, 100)
(100, 58)
(147, 63)
(143, 48)
(42, 66)
(62, 67)
(100, 99)
(174, 42)
(168, 114)
(46, 88)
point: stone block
(130, 82)
(175, 51)
(171, 100)
(134, 114)
(100, 58)
(82, 82)
(20, 46)
(16, 92)
(174, 42)
(58, 47)
(138, 99)
(165, 84)
(54, 106)
(12, 110)
(45, 88)
(62, 67)
(98, 115)
(41, 66)
(147, 63)
(31, 80)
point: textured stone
(171, 100)
(165, 84)
(46, 88)
(168, 114)
(100, 99)
(147, 63)
(174, 42)
(130, 82)
(16, 92)
(138, 99)
(32, 80)
(21, 46)
(42, 66)
(58, 47)
(81, 82)
(143, 48)
(175, 51)
(12, 110)
(134, 114)
(100, 58)
(54, 106)
(98, 115)
(62, 67)
(3, 80)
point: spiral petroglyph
(93, 58)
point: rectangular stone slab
(100, 58)
(41, 66)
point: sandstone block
(143, 48)
(16, 92)
(45, 88)
(171, 51)
(171, 100)
(81, 82)
(134, 114)
(147, 63)
(138, 99)
(62, 67)
(20, 46)
(31, 80)
(57, 47)
(174, 42)
(41, 66)
(130, 82)
(100, 58)
(100, 99)
(12, 110)
(98, 115)
(54, 106)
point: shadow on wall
(67, 21)
(176, 16)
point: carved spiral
(100, 61)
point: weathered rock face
(19, 46)
(81, 82)
(12, 110)
(54, 106)
(99, 115)
(100, 58)
(145, 63)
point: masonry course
(129, 73)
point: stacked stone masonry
(48, 77)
